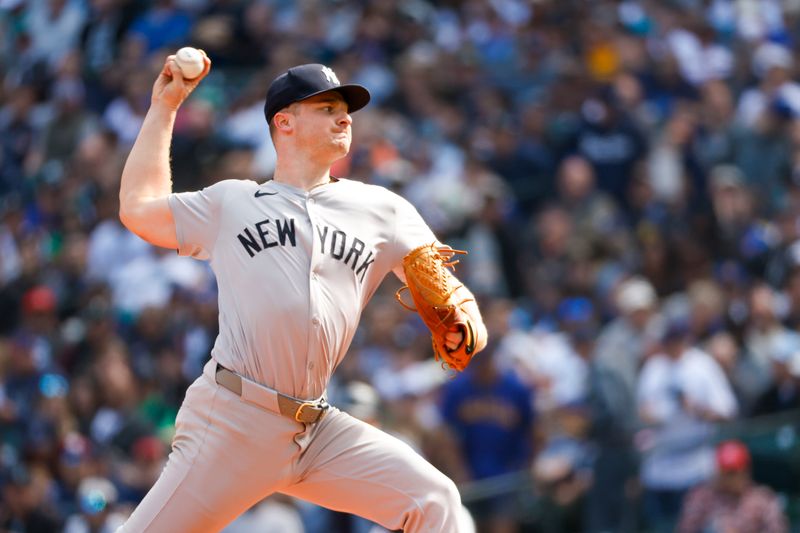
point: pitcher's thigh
(354, 467)
(212, 475)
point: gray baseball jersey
(294, 268)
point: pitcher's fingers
(166, 69)
(453, 339)
(176, 71)
(206, 66)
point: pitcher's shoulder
(241, 184)
(369, 192)
(235, 190)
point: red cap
(39, 299)
(732, 456)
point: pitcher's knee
(438, 508)
(450, 495)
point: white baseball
(190, 60)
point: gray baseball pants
(229, 454)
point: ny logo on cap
(330, 75)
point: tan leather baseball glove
(433, 289)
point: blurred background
(624, 174)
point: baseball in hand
(190, 60)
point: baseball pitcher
(296, 259)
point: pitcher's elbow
(125, 216)
(130, 218)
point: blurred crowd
(625, 175)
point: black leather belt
(298, 410)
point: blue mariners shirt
(493, 422)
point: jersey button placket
(315, 257)
(315, 252)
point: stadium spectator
(732, 501)
(625, 342)
(681, 392)
(489, 417)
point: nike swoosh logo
(259, 194)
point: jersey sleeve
(197, 218)
(410, 232)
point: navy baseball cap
(305, 81)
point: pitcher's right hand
(170, 88)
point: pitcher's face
(323, 125)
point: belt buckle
(298, 415)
